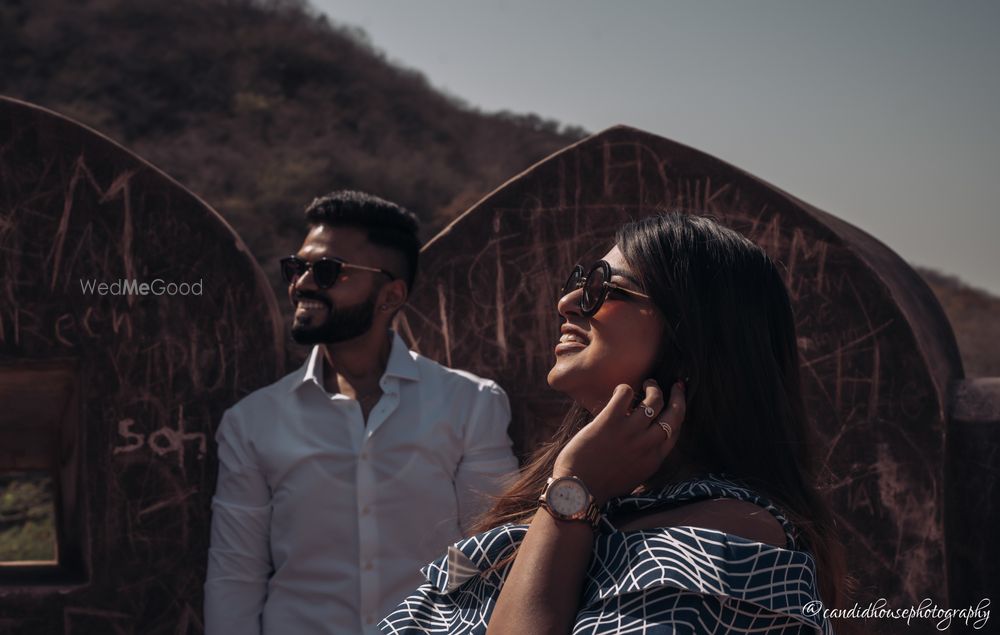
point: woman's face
(619, 342)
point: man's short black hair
(387, 224)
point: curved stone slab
(145, 378)
(877, 350)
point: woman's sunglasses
(325, 270)
(596, 286)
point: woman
(660, 506)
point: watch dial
(567, 497)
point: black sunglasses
(596, 286)
(325, 270)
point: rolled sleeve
(239, 561)
(488, 460)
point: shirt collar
(401, 363)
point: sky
(885, 113)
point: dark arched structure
(117, 395)
(879, 356)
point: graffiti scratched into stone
(154, 372)
(486, 302)
(163, 441)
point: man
(339, 481)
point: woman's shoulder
(713, 501)
(668, 575)
(728, 515)
(702, 558)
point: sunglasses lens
(573, 282)
(325, 273)
(593, 289)
(291, 268)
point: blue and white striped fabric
(657, 581)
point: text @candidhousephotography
(157, 286)
(975, 616)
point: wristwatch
(567, 498)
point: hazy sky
(884, 113)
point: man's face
(347, 309)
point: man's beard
(340, 324)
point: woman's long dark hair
(731, 330)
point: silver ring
(666, 428)
(649, 412)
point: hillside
(259, 105)
(975, 316)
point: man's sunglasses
(325, 270)
(596, 286)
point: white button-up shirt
(321, 522)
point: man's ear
(394, 295)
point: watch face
(567, 497)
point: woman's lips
(569, 342)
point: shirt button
(364, 456)
(370, 619)
(369, 566)
(365, 510)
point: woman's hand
(613, 454)
(619, 450)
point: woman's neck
(675, 468)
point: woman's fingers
(623, 445)
(620, 401)
(652, 403)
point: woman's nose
(569, 303)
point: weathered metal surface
(877, 351)
(153, 372)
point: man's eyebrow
(627, 276)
